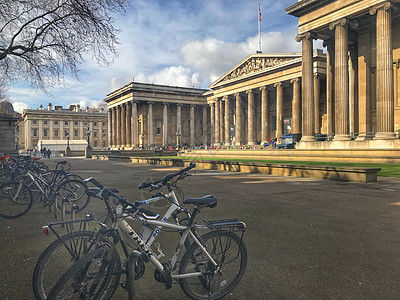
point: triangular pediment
(255, 64)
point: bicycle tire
(84, 280)
(221, 245)
(37, 194)
(16, 200)
(56, 259)
(74, 192)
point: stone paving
(306, 238)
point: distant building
(154, 115)
(8, 121)
(50, 128)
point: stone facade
(363, 58)
(8, 122)
(261, 98)
(49, 128)
(150, 115)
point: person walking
(48, 154)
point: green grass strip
(387, 170)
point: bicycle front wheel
(88, 278)
(15, 200)
(60, 255)
(230, 254)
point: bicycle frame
(145, 246)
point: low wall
(321, 172)
(351, 155)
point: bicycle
(210, 268)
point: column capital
(249, 92)
(179, 104)
(383, 6)
(237, 94)
(278, 84)
(295, 80)
(192, 105)
(308, 35)
(224, 98)
(151, 102)
(341, 22)
(263, 88)
(165, 103)
(135, 101)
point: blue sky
(179, 43)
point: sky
(188, 43)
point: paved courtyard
(306, 238)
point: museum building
(345, 97)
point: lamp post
(178, 138)
(67, 136)
(88, 132)
(142, 138)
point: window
(76, 123)
(104, 144)
(56, 132)
(104, 132)
(45, 122)
(55, 122)
(95, 143)
(95, 133)
(66, 122)
(104, 123)
(95, 123)
(34, 122)
(273, 123)
(85, 123)
(76, 133)
(65, 133)
(159, 127)
(34, 132)
(44, 132)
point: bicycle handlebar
(167, 178)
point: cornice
(305, 6)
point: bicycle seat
(206, 201)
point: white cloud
(213, 57)
(20, 106)
(174, 76)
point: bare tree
(43, 40)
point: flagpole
(259, 29)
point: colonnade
(241, 107)
(128, 130)
(341, 82)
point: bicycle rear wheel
(230, 254)
(60, 255)
(73, 192)
(15, 200)
(88, 278)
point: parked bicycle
(210, 268)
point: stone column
(123, 124)
(81, 131)
(212, 118)
(317, 124)
(134, 120)
(205, 124)
(216, 124)
(28, 134)
(239, 119)
(307, 86)
(118, 125)
(341, 80)
(279, 110)
(264, 115)
(330, 55)
(250, 118)
(353, 90)
(51, 129)
(40, 131)
(128, 142)
(179, 123)
(165, 124)
(221, 122)
(192, 126)
(228, 119)
(150, 124)
(109, 127)
(384, 72)
(296, 117)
